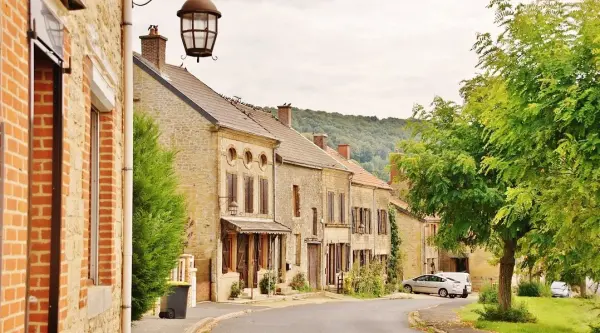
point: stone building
(369, 202)
(60, 164)
(312, 200)
(226, 165)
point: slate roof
(209, 103)
(361, 176)
(294, 147)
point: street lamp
(233, 208)
(199, 27)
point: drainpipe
(128, 167)
(351, 249)
(275, 265)
(29, 165)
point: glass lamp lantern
(199, 27)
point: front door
(242, 259)
(313, 265)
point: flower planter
(174, 305)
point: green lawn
(554, 316)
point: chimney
(154, 47)
(284, 113)
(344, 150)
(320, 140)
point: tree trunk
(507, 268)
(583, 288)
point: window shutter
(234, 186)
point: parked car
(560, 289)
(433, 284)
(464, 278)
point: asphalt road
(378, 316)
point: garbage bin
(174, 305)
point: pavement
(373, 316)
(201, 312)
(444, 317)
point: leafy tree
(539, 99)
(395, 260)
(159, 216)
(443, 163)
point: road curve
(377, 316)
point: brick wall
(14, 113)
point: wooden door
(313, 265)
(242, 259)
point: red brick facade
(22, 279)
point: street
(347, 317)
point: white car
(433, 284)
(464, 278)
(560, 289)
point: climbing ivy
(395, 270)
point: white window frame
(94, 194)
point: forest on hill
(371, 139)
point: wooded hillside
(371, 139)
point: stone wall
(187, 131)
(310, 186)
(410, 233)
(480, 267)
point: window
(248, 158)
(362, 257)
(367, 221)
(296, 200)
(249, 194)
(94, 194)
(264, 196)
(355, 219)
(315, 221)
(330, 207)
(342, 208)
(231, 188)
(263, 161)
(228, 254)
(382, 222)
(231, 155)
(363, 220)
(298, 249)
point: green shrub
(533, 289)
(236, 289)
(299, 282)
(391, 287)
(595, 328)
(488, 294)
(516, 314)
(365, 281)
(267, 283)
(159, 216)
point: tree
(395, 260)
(443, 164)
(159, 216)
(540, 104)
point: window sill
(99, 300)
(337, 225)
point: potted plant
(174, 304)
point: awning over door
(248, 225)
(458, 255)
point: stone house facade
(60, 160)
(368, 219)
(226, 167)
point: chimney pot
(154, 47)
(344, 150)
(320, 140)
(284, 113)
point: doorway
(313, 265)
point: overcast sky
(375, 57)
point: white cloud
(358, 57)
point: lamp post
(203, 16)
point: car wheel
(452, 296)
(171, 314)
(443, 292)
(407, 289)
(464, 296)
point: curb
(207, 324)
(414, 320)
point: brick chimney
(284, 113)
(344, 150)
(154, 47)
(320, 140)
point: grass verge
(553, 315)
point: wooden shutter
(264, 196)
(342, 208)
(234, 188)
(226, 254)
